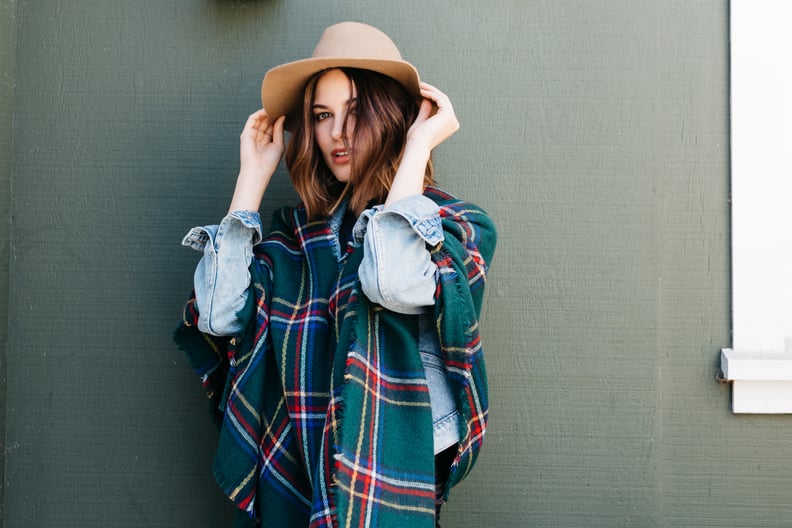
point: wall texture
(596, 133)
(7, 63)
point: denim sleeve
(222, 277)
(397, 271)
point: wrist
(409, 178)
(417, 150)
(249, 191)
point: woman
(340, 351)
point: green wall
(7, 59)
(595, 132)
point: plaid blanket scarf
(322, 402)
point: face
(334, 103)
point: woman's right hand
(261, 144)
(261, 147)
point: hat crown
(355, 40)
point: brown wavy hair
(385, 111)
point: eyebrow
(349, 102)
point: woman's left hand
(435, 123)
(433, 127)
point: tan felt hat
(346, 44)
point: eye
(321, 116)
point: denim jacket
(396, 272)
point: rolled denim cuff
(421, 213)
(397, 271)
(198, 237)
(222, 276)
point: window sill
(761, 381)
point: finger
(440, 100)
(425, 111)
(428, 88)
(254, 123)
(426, 85)
(277, 131)
(257, 116)
(430, 92)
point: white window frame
(759, 363)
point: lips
(339, 155)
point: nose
(337, 132)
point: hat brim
(282, 87)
